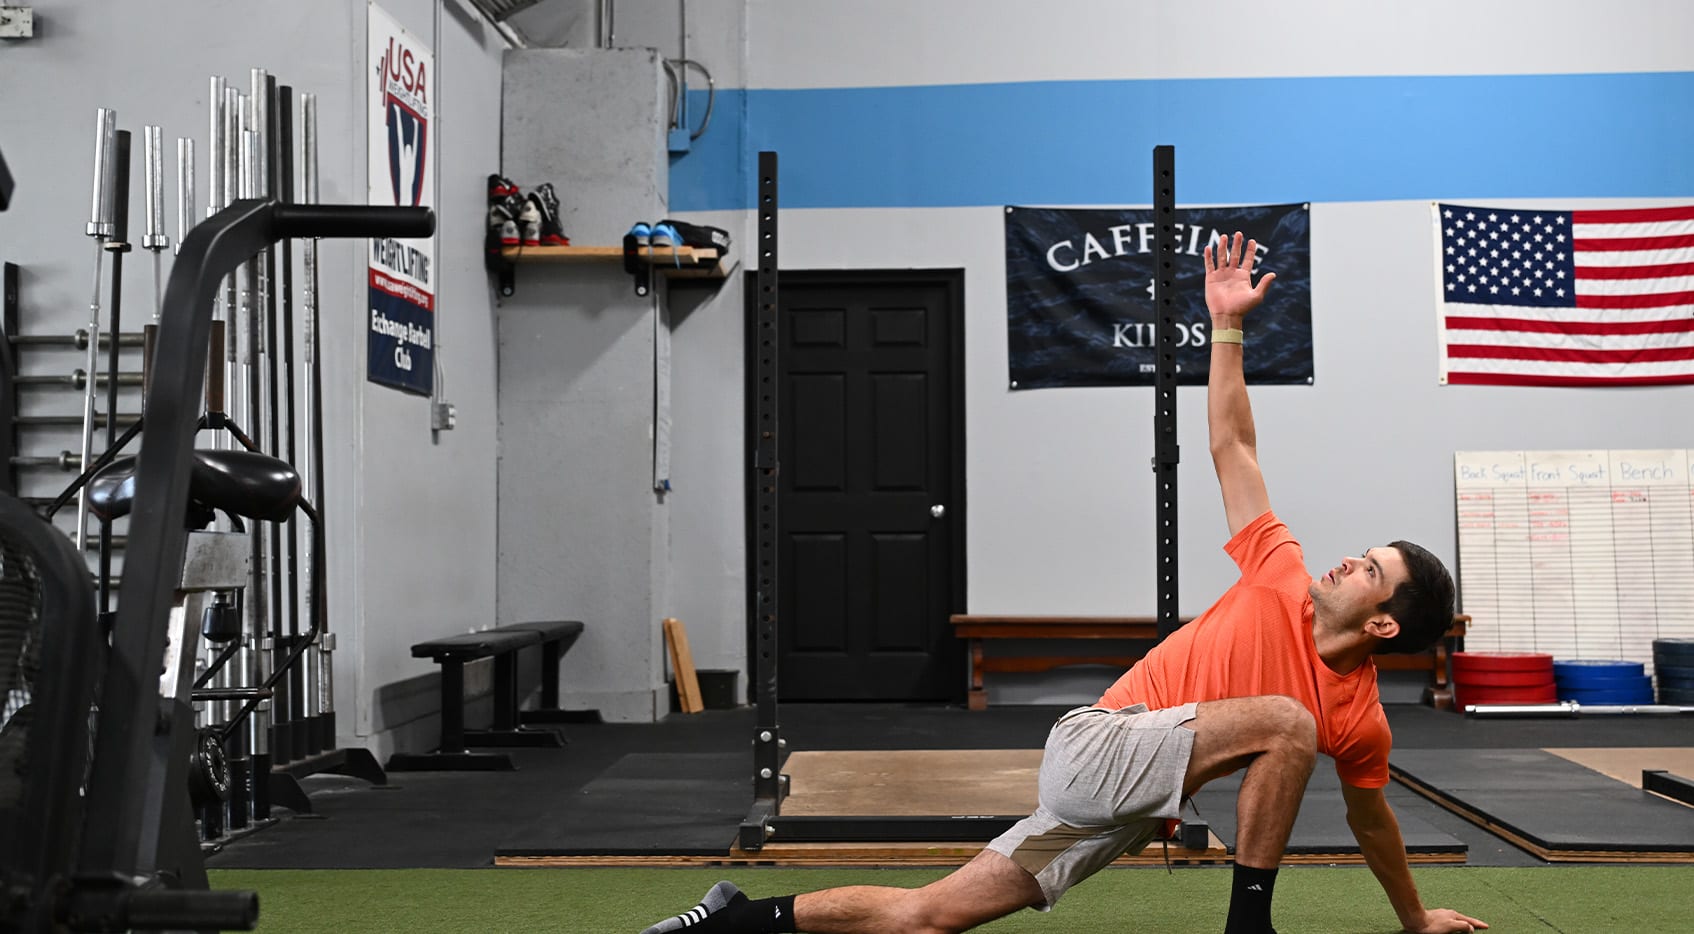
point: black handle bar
(350, 220)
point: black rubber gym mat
(1321, 826)
(1551, 805)
(672, 804)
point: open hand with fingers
(1230, 292)
(1447, 921)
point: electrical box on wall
(679, 140)
(442, 416)
(17, 22)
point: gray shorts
(1109, 779)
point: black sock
(1250, 901)
(770, 915)
(733, 914)
(765, 916)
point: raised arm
(1230, 294)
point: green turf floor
(1586, 899)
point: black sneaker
(546, 203)
(503, 221)
(499, 189)
(529, 221)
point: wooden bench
(502, 644)
(978, 628)
(975, 629)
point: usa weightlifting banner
(1079, 295)
(400, 338)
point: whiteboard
(1582, 554)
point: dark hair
(1422, 604)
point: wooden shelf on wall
(678, 263)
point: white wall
(1058, 485)
(583, 533)
(411, 516)
(879, 43)
(425, 536)
(1059, 489)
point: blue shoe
(642, 233)
(664, 235)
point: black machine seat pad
(241, 483)
(473, 645)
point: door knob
(938, 510)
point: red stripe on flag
(1662, 271)
(1530, 325)
(1678, 212)
(1561, 355)
(1654, 300)
(1615, 244)
(1538, 379)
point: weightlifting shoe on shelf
(499, 189)
(529, 221)
(503, 221)
(546, 203)
(665, 236)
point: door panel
(869, 442)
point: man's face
(1353, 589)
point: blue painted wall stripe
(1238, 141)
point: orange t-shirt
(1257, 640)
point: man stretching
(1278, 670)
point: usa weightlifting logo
(403, 80)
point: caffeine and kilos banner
(400, 341)
(1079, 295)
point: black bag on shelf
(700, 236)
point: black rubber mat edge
(1540, 846)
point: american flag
(1566, 298)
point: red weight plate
(1543, 695)
(1495, 693)
(1502, 679)
(1502, 661)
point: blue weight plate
(1622, 666)
(1614, 689)
(1601, 681)
(1588, 682)
(1595, 672)
(1642, 687)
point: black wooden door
(870, 494)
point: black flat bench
(502, 644)
(557, 636)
